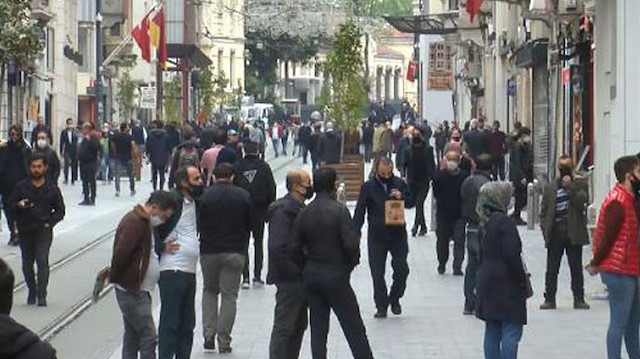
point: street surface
(431, 326)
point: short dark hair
(324, 180)
(524, 131)
(220, 137)
(188, 133)
(182, 174)
(484, 162)
(37, 156)
(163, 199)
(223, 171)
(624, 165)
(7, 280)
(16, 128)
(251, 148)
(293, 177)
(383, 160)
(123, 127)
(69, 119)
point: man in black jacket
(314, 144)
(53, 167)
(327, 248)
(224, 220)
(304, 135)
(290, 314)
(88, 153)
(383, 238)
(419, 167)
(69, 151)
(469, 191)
(255, 176)
(367, 140)
(329, 146)
(447, 191)
(520, 171)
(158, 150)
(41, 127)
(38, 206)
(16, 341)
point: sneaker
(519, 221)
(117, 194)
(133, 193)
(258, 283)
(42, 302)
(380, 314)
(209, 344)
(548, 305)
(458, 272)
(31, 298)
(225, 350)
(441, 269)
(246, 285)
(468, 310)
(396, 308)
(86, 202)
(581, 304)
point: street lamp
(98, 90)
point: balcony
(41, 10)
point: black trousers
(8, 213)
(498, 169)
(520, 195)
(328, 291)
(70, 165)
(157, 172)
(35, 248)
(368, 149)
(258, 218)
(88, 172)
(558, 246)
(450, 230)
(290, 320)
(304, 151)
(473, 263)
(378, 249)
(420, 191)
(177, 314)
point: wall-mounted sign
(440, 73)
(148, 97)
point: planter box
(351, 172)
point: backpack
(188, 156)
(255, 135)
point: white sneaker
(246, 285)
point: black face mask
(417, 139)
(308, 193)
(565, 171)
(386, 181)
(196, 191)
(635, 184)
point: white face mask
(155, 221)
(42, 143)
(452, 166)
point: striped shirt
(562, 204)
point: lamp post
(99, 110)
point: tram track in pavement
(75, 311)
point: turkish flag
(473, 7)
(159, 37)
(412, 71)
(140, 33)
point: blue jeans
(624, 315)
(106, 171)
(129, 168)
(501, 339)
(275, 146)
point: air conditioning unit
(570, 7)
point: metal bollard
(342, 193)
(531, 206)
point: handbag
(527, 279)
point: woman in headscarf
(501, 281)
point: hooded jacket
(254, 175)
(329, 147)
(18, 342)
(158, 147)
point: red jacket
(623, 256)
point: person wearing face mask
(42, 146)
(419, 168)
(563, 221)
(290, 314)
(135, 272)
(177, 244)
(14, 167)
(255, 176)
(382, 238)
(520, 171)
(447, 188)
(616, 258)
(38, 206)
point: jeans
(177, 314)
(624, 315)
(399, 249)
(520, 195)
(139, 329)
(498, 168)
(555, 250)
(315, 161)
(290, 320)
(88, 173)
(473, 262)
(157, 172)
(70, 165)
(221, 274)
(258, 218)
(328, 289)
(284, 145)
(128, 165)
(420, 191)
(106, 171)
(501, 339)
(304, 151)
(35, 248)
(275, 146)
(450, 230)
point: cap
(232, 133)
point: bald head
(453, 156)
(297, 177)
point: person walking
(401, 148)
(476, 140)
(218, 153)
(329, 146)
(41, 127)
(158, 150)
(185, 153)
(139, 135)
(179, 251)
(276, 134)
(53, 162)
(106, 170)
(314, 146)
(367, 140)
(616, 259)
(18, 342)
(290, 314)
(383, 238)
(501, 275)
(326, 248)
(497, 146)
(469, 192)
(441, 140)
(419, 168)
(563, 221)
(255, 176)
(69, 151)
(520, 171)
(447, 191)
(225, 222)
(88, 153)
(38, 207)
(122, 144)
(134, 272)
(304, 135)
(14, 167)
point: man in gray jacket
(563, 221)
(470, 190)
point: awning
(190, 52)
(431, 24)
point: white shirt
(274, 132)
(153, 274)
(186, 234)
